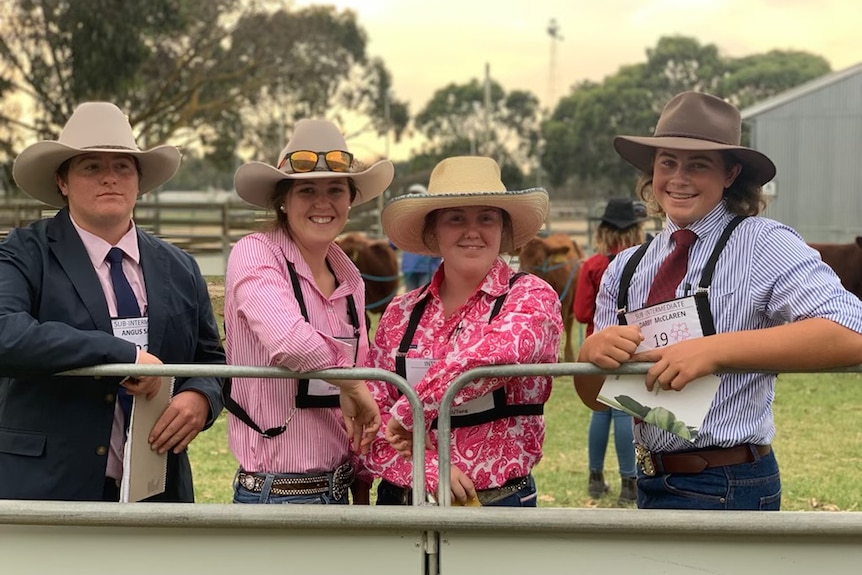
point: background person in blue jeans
(417, 268)
(620, 227)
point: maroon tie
(672, 269)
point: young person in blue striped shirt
(764, 301)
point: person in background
(762, 299)
(68, 286)
(417, 269)
(294, 299)
(475, 311)
(620, 227)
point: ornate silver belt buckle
(248, 481)
(644, 459)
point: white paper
(144, 470)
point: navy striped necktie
(127, 306)
(127, 303)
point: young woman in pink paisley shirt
(476, 311)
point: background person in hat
(620, 227)
(60, 297)
(417, 269)
(469, 219)
(774, 303)
(294, 299)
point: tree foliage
(579, 134)
(218, 75)
(471, 118)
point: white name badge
(134, 330)
(681, 413)
(418, 367)
(667, 323)
(320, 388)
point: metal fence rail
(93, 538)
(192, 370)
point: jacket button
(101, 450)
(110, 398)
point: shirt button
(101, 450)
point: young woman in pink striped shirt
(293, 299)
(476, 311)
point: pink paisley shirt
(527, 330)
(264, 327)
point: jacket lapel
(156, 268)
(67, 247)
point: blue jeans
(754, 486)
(600, 426)
(243, 495)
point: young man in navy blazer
(67, 284)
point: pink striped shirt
(527, 330)
(97, 249)
(265, 327)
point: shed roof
(799, 91)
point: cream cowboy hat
(696, 121)
(255, 181)
(93, 127)
(460, 182)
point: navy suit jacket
(54, 431)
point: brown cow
(556, 259)
(846, 260)
(378, 266)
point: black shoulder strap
(626, 280)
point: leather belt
(697, 460)
(485, 496)
(336, 482)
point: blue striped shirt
(766, 276)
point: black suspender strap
(626, 280)
(701, 296)
(302, 392)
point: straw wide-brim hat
(694, 121)
(461, 182)
(93, 127)
(255, 181)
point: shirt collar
(496, 281)
(713, 222)
(97, 248)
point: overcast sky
(427, 44)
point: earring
(282, 209)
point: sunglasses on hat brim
(306, 161)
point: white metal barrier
(93, 538)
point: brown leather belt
(338, 482)
(697, 460)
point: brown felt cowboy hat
(696, 121)
(93, 127)
(255, 181)
(461, 182)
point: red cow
(378, 266)
(846, 260)
(556, 259)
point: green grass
(817, 443)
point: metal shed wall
(814, 136)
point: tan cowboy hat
(460, 182)
(696, 121)
(93, 127)
(255, 181)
